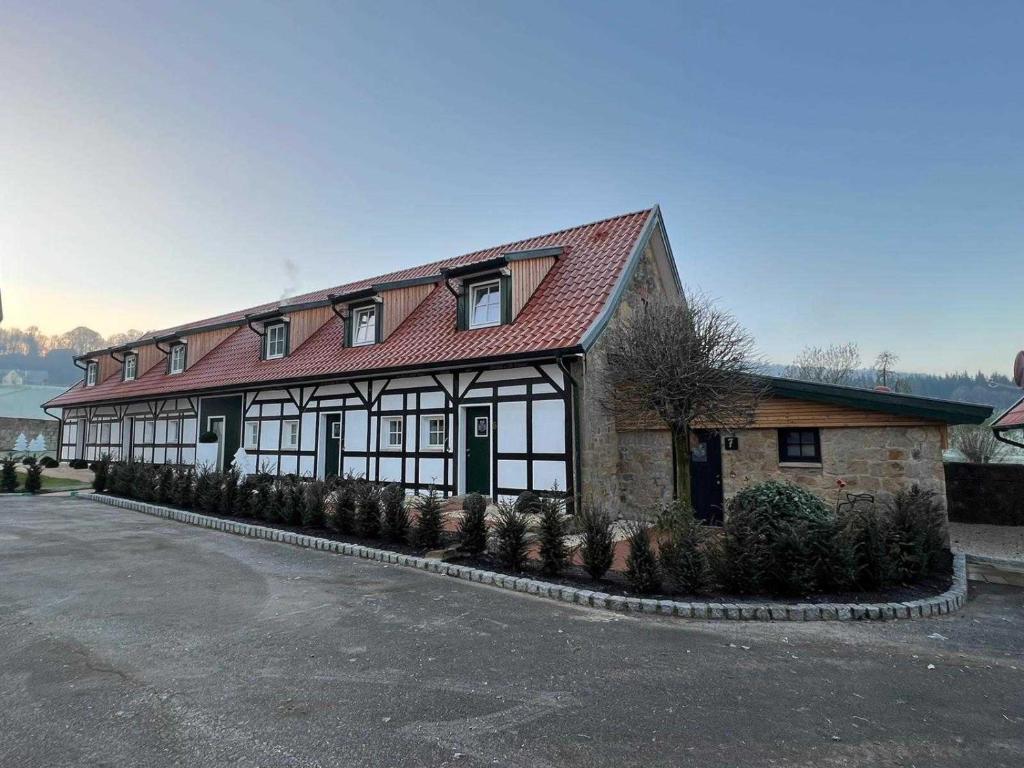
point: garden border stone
(948, 602)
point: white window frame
(428, 433)
(290, 439)
(177, 359)
(251, 432)
(133, 368)
(358, 312)
(91, 373)
(272, 341)
(386, 433)
(473, 291)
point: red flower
(841, 483)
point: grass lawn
(55, 483)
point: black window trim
(785, 459)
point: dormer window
(276, 341)
(177, 359)
(485, 304)
(131, 367)
(91, 370)
(364, 325)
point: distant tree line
(32, 350)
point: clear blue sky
(831, 172)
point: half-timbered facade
(469, 374)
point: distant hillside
(995, 389)
(50, 358)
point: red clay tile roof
(1012, 419)
(558, 315)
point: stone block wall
(875, 460)
(10, 428)
(644, 472)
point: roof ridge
(198, 325)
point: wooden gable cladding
(108, 366)
(527, 275)
(305, 323)
(149, 356)
(399, 303)
(201, 344)
(784, 412)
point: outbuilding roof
(1012, 418)
(591, 262)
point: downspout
(577, 459)
(1008, 441)
(341, 316)
(454, 293)
(60, 430)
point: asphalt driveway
(126, 640)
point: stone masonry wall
(10, 428)
(875, 460)
(645, 472)
(601, 445)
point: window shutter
(506, 299)
(462, 310)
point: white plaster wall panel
(412, 432)
(306, 466)
(269, 434)
(555, 373)
(548, 474)
(159, 455)
(431, 471)
(508, 373)
(115, 432)
(390, 469)
(478, 392)
(511, 427)
(432, 400)
(289, 409)
(511, 474)
(353, 465)
(363, 388)
(188, 455)
(289, 464)
(136, 453)
(338, 402)
(268, 464)
(409, 382)
(328, 390)
(136, 408)
(447, 381)
(355, 430)
(253, 409)
(549, 426)
(188, 428)
(272, 394)
(543, 389)
(516, 389)
(161, 432)
(392, 402)
(271, 409)
(410, 470)
(308, 439)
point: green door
(332, 451)
(478, 450)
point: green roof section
(934, 409)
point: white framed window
(364, 325)
(481, 426)
(336, 430)
(290, 435)
(90, 374)
(252, 435)
(277, 336)
(485, 304)
(131, 367)
(434, 433)
(178, 358)
(174, 431)
(392, 433)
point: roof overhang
(489, 265)
(930, 408)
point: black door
(332, 449)
(706, 476)
(478, 450)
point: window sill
(801, 464)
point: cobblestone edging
(947, 602)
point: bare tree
(884, 374)
(976, 442)
(684, 362)
(833, 364)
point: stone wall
(875, 460)
(10, 428)
(602, 447)
(644, 472)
